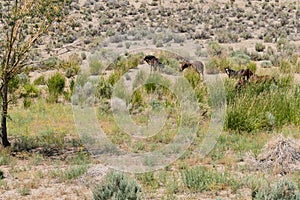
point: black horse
(153, 62)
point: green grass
(5, 158)
(74, 172)
(71, 173)
(262, 107)
(240, 144)
(200, 179)
(41, 117)
(148, 180)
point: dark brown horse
(243, 73)
(197, 65)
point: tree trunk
(4, 94)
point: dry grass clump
(281, 154)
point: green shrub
(95, 65)
(148, 179)
(117, 186)
(27, 102)
(51, 63)
(252, 66)
(40, 81)
(71, 65)
(195, 80)
(25, 143)
(266, 64)
(202, 179)
(214, 49)
(83, 55)
(240, 58)
(156, 81)
(282, 190)
(56, 85)
(103, 89)
(113, 78)
(212, 67)
(260, 47)
(137, 99)
(24, 191)
(31, 90)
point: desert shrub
(252, 66)
(276, 60)
(260, 47)
(121, 91)
(192, 77)
(117, 186)
(133, 61)
(240, 58)
(71, 65)
(282, 190)
(83, 55)
(202, 179)
(31, 90)
(266, 64)
(121, 65)
(103, 88)
(195, 80)
(159, 43)
(169, 61)
(153, 83)
(40, 81)
(95, 65)
(137, 99)
(148, 179)
(27, 102)
(56, 85)
(116, 38)
(139, 79)
(113, 78)
(50, 63)
(255, 56)
(178, 38)
(24, 191)
(224, 36)
(127, 45)
(212, 66)
(214, 49)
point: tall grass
(264, 106)
(201, 179)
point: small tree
(22, 22)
